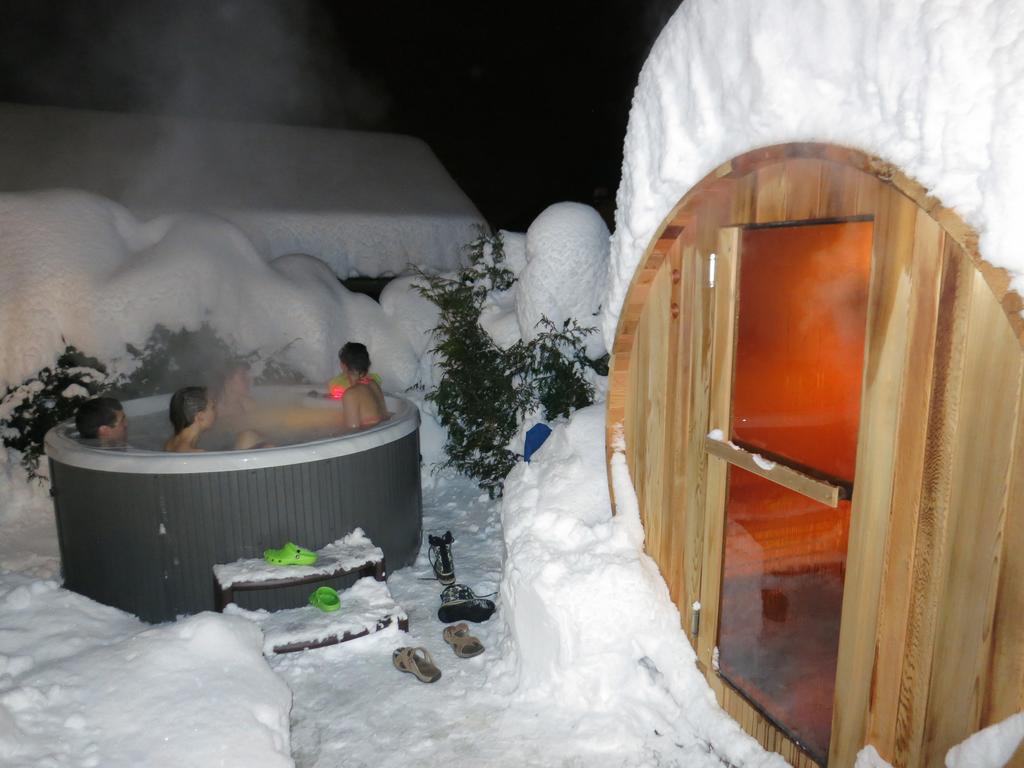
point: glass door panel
(782, 595)
(800, 329)
(800, 343)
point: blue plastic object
(535, 438)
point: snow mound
(566, 271)
(112, 687)
(411, 313)
(364, 203)
(515, 251)
(81, 269)
(591, 620)
(935, 89)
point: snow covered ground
(585, 664)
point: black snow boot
(458, 603)
(440, 556)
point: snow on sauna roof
(937, 91)
(366, 203)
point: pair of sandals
(419, 662)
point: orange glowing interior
(800, 343)
(802, 313)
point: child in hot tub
(102, 419)
(337, 386)
(192, 412)
(362, 400)
(237, 412)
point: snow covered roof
(366, 203)
(934, 89)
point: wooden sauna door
(788, 428)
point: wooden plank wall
(980, 456)
(895, 225)
(932, 644)
(897, 577)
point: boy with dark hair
(102, 418)
(191, 412)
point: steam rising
(268, 61)
(271, 62)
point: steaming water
(151, 431)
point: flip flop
(326, 599)
(416, 661)
(289, 554)
(464, 644)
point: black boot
(440, 556)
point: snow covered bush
(29, 410)
(566, 270)
(484, 390)
(171, 359)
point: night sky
(525, 103)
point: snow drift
(87, 685)
(589, 613)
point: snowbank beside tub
(936, 89)
(589, 614)
(28, 543)
(87, 685)
(79, 269)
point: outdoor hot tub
(140, 529)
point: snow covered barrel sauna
(819, 384)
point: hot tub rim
(64, 448)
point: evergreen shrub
(485, 392)
(30, 409)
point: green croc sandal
(290, 554)
(326, 599)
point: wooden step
(353, 554)
(366, 607)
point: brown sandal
(416, 661)
(464, 644)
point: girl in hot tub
(362, 403)
(192, 412)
